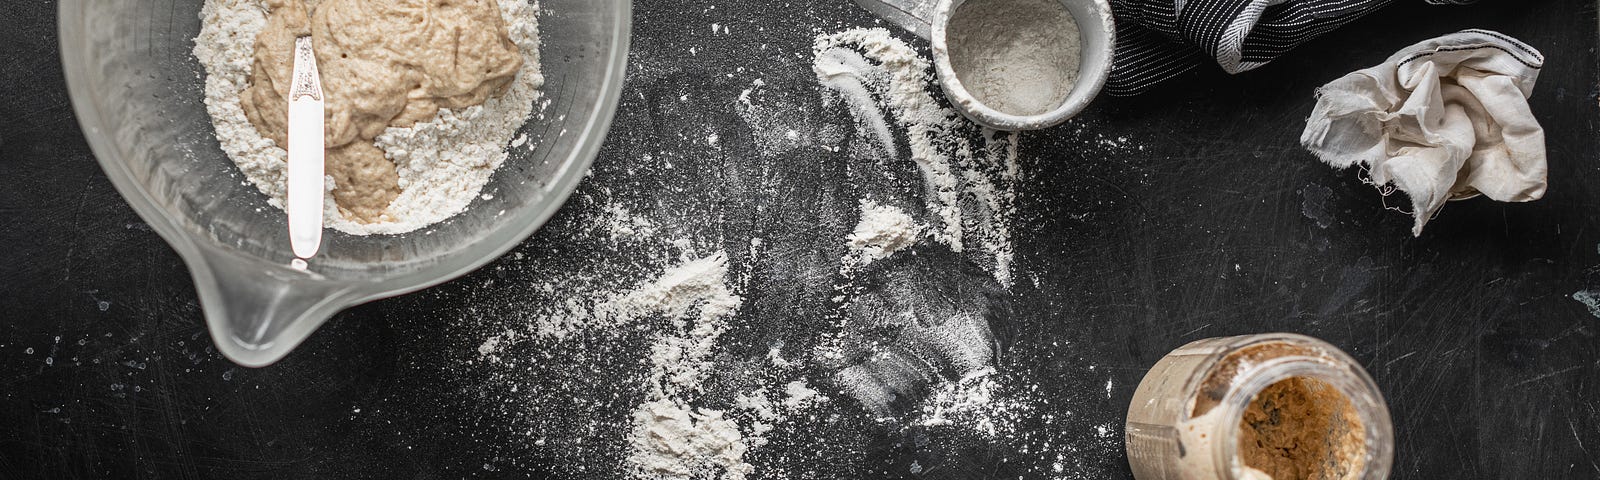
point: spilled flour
(442, 163)
(883, 230)
(911, 340)
(677, 441)
(673, 439)
(969, 185)
(844, 293)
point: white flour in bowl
(443, 163)
(1017, 56)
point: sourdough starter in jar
(1270, 406)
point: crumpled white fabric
(1445, 118)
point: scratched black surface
(1219, 225)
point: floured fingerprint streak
(847, 72)
(969, 173)
(915, 322)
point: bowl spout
(258, 312)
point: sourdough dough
(383, 63)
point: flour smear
(969, 173)
(672, 438)
(768, 340)
(969, 191)
(443, 163)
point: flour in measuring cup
(1017, 56)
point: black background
(1221, 224)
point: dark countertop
(1218, 224)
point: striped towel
(1160, 39)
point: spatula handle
(305, 170)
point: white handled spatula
(305, 153)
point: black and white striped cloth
(1160, 39)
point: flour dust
(913, 330)
(442, 163)
(712, 314)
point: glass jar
(1197, 415)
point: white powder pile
(938, 369)
(882, 231)
(621, 224)
(442, 163)
(970, 187)
(672, 438)
(1017, 56)
(678, 291)
(765, 413)
(697, 300)
(799, 394)
(676, 441)
(676, 430)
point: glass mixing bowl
(138, 94)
